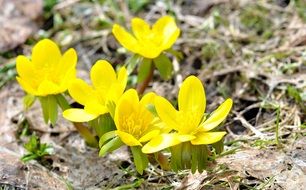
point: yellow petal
(114, 93)
(127, 104)
(161, 142)
(125, 39)
(78, 115)
(191, 97)
(26, 70)
(167, 29)
(102, 75)
(148, 98)
(185, 138)
(217, 116)
(122, 78)
(93, 106)
(67, 62)
(24, 67)
(128, 139)
(167, 113)
(169, 40)
(47, 87)
(207, 137)
(163, 24)
(130, 97)
(157, 122)
(26, 86)
(68, 78)
(149, 135)
(140, 28)
(80, 91)
(46, 54)
(149, 50)
(116, 89)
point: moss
(256, 18)
(210, 50)
(300, 6)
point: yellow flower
(189, 122)
(134, 122)
(48, 72)
(106, 89)
(148, 41)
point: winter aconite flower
(48, 72)
(134, 122)
(135, 125)
(189, 122)
(148, 41)
(100, 97)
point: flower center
(136, 124)
(189, 121)
(151, 38)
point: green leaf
(36, 149)
(32, 144)
(44, 106)
(202, 158)
(140, 159)
(117, 144)
(194, 158)
(177, 54)
(29, 157)
(106, 124)
(107, 136)
(219, 146)
(23, 129)
(176, 157)
(49, 107)
(132, 62)
(52, 106)
(186, 155)
(164, 66)
(103, 124)
(110, 146)
(94, 123)
(62, 102)
(28, 101)
(144, 69)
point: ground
(251, 51)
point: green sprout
(36, 149)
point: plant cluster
(112, 115)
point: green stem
(89, 138)
(141, 87)
(86, 134)
(163, 161)
(140, 159)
